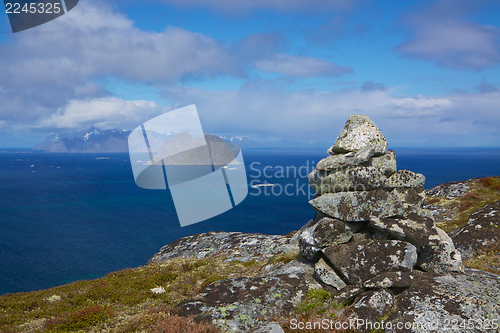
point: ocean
(66, 217)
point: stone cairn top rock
(370, 229)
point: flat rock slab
(244, 303)
(481, 231)
(235, 245)
(405, 178)
(358, 133)
(357, 262)
(358, 178)
(361, 205)
(341, 161)
(434, 303)
(415, 229)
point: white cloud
(301, 67)
(105, 113)
(319, 115)
(267, 112)
(442, 35)
(44, 72)
(95, 41)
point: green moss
(481, 192)
(84, 305)
(313, 302)
(285, 258)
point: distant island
(92, 140)
(95, 140)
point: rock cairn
(370, 229)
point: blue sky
(426, 72)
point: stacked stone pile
(370, 230)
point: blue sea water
(65, 217)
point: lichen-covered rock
(373, 305)
(360, 206)
(442, 257)
(341, 161)
(481, 231)
(357, 262)
(321, 232)
(244, 303)
(415, 229)
(327, 275)
(410, 196)
(234, 245)
(405, 178)
(357, 178)
(435, 303)
(450, 190)
(359, 132)
(390, 280)
(385, 163)
(330, 231)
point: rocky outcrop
(427, 301)
(372, 245)
(233, 245)
(241, 304)
(481, 231)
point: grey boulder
(385, 163)
(357, 178)
(359, 132)
(415, 229)
(440, 258)
(405, 178)
(361, 205)
(341, 161)
(357, 262)
(330, 231)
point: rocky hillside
(381, 255)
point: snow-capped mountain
(89, 140)
(241, 141)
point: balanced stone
(418, 230)
(359, 206)
(357, 262)
(405, 178)
(331, 232)
(387, 163)
(352, 179)
(359, 132)
(340, 161)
